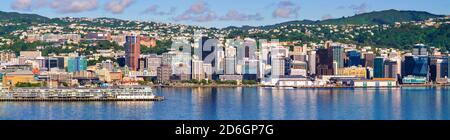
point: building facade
(132, 51)
(76, 64)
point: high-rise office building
(142, 64)
(230, 60)
(408, 62)
(208, 69)
(378, 70)
(265, 54)
(132, 51)
(278, 65)
(197, 70)
(76, 64)
(445, 66)
(220, 61)
(167, 58)
(230, 65)
(153, 62)
(415, 66)
(51, 63)
(421, 67)
(247, 49)
(312, 63)
(338, 55)
(208, 47)
(62, 62)
(184, 72)
(368, 59)
(442, 71)
(434, 68)
(354, 58)
(439, 70)
(298, 68)
(181, 65)
(287, 65)
(324, 62)
(390, 69)
(164, 73)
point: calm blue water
(250, 104)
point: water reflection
(250, 104)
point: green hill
(22, 18)
(382, 17)
(376, 17)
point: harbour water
(421, 103)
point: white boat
(118, 93)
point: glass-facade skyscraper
(378, 67)
(76, 64)
(415, 66)
(354, 58)
(338, 55)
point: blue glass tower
(354, 58)
(415, 66)
(421, 66)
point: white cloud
(286, 9)
(117, 6)
(22, 4)
(208, 16)
(63, 6)
(238, 16)
(199, 12)
(154, 9)
(73, 6)
(27, 5)
(359, 9)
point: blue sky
(218, 13)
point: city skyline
(219, 13)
